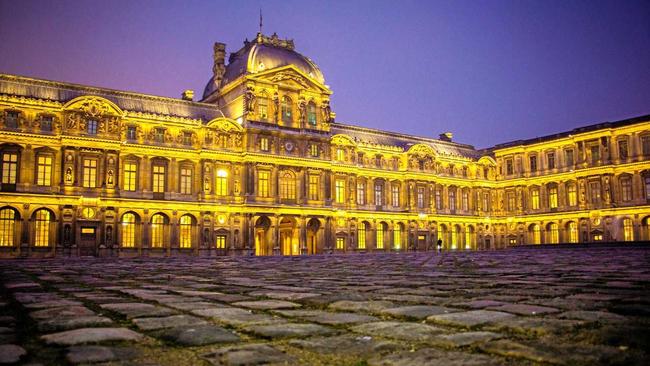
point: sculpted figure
(249, 100)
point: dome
(261, 54)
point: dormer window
(159, 135)
(187, 138)
(311, 113)
(46, 123)
(264, 144)
(91, 127)
(287, 114)
(131, 133)
(11, 120)
(263, 107)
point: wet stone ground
(512, 307)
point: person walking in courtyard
(439, 245)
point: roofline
(575, 131)
(99, 90)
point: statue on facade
(302, 105)
(276, 105)
(326, 111)
(249, 100)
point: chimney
(188, 95)
(219, 67)
(446, 136)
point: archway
(262, 242)
(289, 241)
(312, 236)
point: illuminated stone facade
(259, 166)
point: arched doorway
(312, 236)
(262, 242)
(289, 242)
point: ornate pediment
(94, 107)
(291, 77)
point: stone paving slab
(568, 306)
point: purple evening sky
(489, 71)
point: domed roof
(261, 54)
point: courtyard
(574, 306)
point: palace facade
(260, 166)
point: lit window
(44, 170)
(263, 183)
(314, 187)
(568, 157)
(395, 198)
(185, 231)
(622, 149)
(512, 205)
(361, 193)
(438, 199)
(42, 228)
(131, 133)
(130, 176)
(128, 230)
(486, 201)
(311, 114)
(339, 187)
(340, 243)
(452, 199)
(263, 107)
(158, 178)
(264, 144)
(222, 183)
(286, 109)
(454, 237)
(595, 154)
(46, 123)
(572, 195)
(626, 189)
(550, 158)
(595, 192)
(314, 151)
(11, 119)
(9, 167)
(220, 242)
(187, 138)
(159, 135)
(380, 236)
(157, 231)
(397, 236)
(186, 180)
(534, 199)
(340, 154)
(554, 235)
(465, 200)
(90, 173)
(647, 187)
(361, 236)
(379, 194)
(533, 163)
(537, 234)
(468, 238)
(628, 230)
(573, 232)
(91, 127)
(288, 186)
(7, 227)
(552, 197)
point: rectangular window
(361, 236)
(594, 187)
(186, 180)
(550, 158)
(131, 133)
(626, 189)
(452, 199)
(568, 157)
(11, 120)
(512, 205)
(379, 194)
(130, 175)
(380, 237)
(220, 242)
(90, 173)
(9, 167)
(486, 201)
(509, 167)
(314, 151)
(645, 145)
(595, 154)
(264, 144)
(465, 200)
(263, 179)
(339, 187)
(552, 197)
(395, 193)
(533, 163)
(158, 178)
(572, 195)
(187, 138)
(622, 150)
(44, 170)
(221, 188)
(361, 193)
(46, 123)
(340, 243)
(340, 155)
(159, 135)
(438, 199)
(314, 187)
(534, 199)
(91, 127)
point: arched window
(186, 226)
(397, 236)
(158, 224)
(553, 233)
(42, 219)
(222, 183)
(263, 107)
(628, 230)
(536, 234)
(7, 227)
(572, 194)
(454, 236)
(361, 235)
(128, 230)
(288, 186)
(286, 108)
(311, 113)
(469, 236)
(626, 189)
(572, 229)
(380, 235)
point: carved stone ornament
(287, 75)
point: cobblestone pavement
(514, 307)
